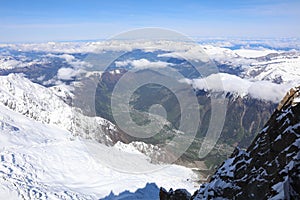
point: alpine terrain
(268, 169)
(59, 138)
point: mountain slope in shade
(270, 167)
(149, 192)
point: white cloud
(142, 64)
(253, 53)
(277, 43)
(264, 90)
(164, 45)
(70, 59)
(10, 62)
(205, 53)
(68, 73)
(41, 78)
(122, 63)
(268, 91)
(100, 46)
(195, 53)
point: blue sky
(56, 20)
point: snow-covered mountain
(258, 64)
(44, 161)
(280, 67)
(48, 105)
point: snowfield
(42, 161)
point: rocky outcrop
(179, 194)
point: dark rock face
(270, 167)
(179, 194)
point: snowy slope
(48, 105)
(281, 68)
(42, 161)
(33, 100)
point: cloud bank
(68, 73)
(70, 59)
(263, 90)
(195, 53)
(142, 64)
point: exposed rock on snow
(271, 164)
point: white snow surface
(282, 66)
(47, 106)
(297, 100)
(42, 161)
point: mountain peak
(291, 98)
